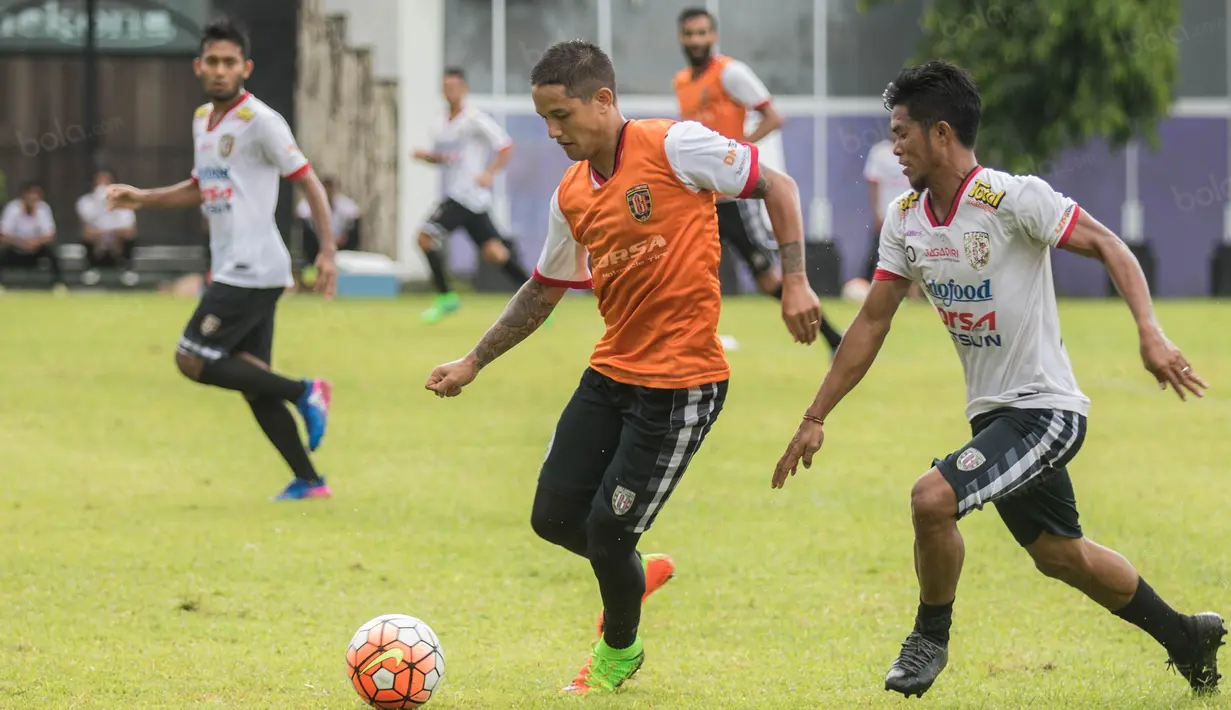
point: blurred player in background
(109, 236)
(980, 244)
(243, 148)
(464, 140)
(885, 181)
(637, 205)
(719, 92)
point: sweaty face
(575, 124)
(222, 69)
(454, 89)
(912, 146)
(697, 37)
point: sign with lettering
(144, 26)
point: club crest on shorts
(970, 459)
(225, 144)
(978, 249)
(639, 203)
(622, 500)
(209, 324)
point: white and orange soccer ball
(395, 661)
(856, 290)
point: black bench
(154, 264)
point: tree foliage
(1054, 74)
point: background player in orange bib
(719, 92)
(639, 203)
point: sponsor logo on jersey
(942, 254)
(245, 113)
(1064, 222)
(978, 249)
(639, 203)
(954, 292)
(212, 173)
(981, 196)
(912, 233)
(971, 330)
(906, 203)
(616, 257)
(911, 256)
(225, 145)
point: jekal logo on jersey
(225, 145)
(639, 203)
(954, 292)
(978, 249)
(981, 196)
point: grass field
(142, 566)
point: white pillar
(821, 227)
(1226, 220)
(421, 34)
(1132, 225)
(501, 211)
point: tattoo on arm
(524, 314)
(762, 188)
(792, 257)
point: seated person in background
(109, 235)
(28, 233)
(346, 217)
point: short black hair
(224, 29)
(104, 169)
(29, 185)
(581, 67)
(938, 91)
(689, 13)
(456, 71)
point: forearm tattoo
(762, 188)
(792, 257)
(524, 314)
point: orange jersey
(650, 233)
(720, 96)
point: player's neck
(228, 104)
(455, 109)
(943, 188)
(605, 162)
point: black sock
(828, 332)
(934, 621)
(621, 580)
(439, 278)
(514, 270)
(279, 426)
(1149, 612)
(243, 376)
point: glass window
(534, 25)
(777, 43)
(646, 43)
(468, 41)
(1201, 39)
(867, 49)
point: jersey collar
(957, 200)
(211, 124)
(599, 179)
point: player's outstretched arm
(801, 310)
(860, 345)
(183, 194)
(527, 310)
(1092, 239)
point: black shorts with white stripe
(621, 449)
(232, 319)
(740, 226)
(1018, 460)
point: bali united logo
(225, 145)
(978, 249)
(639, 203)
(970, 459)
(622, 500)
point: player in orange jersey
(639, 202)
(719, 92)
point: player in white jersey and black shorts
(471, 148)
(243, 149)
(978, 241)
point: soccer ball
(395, 661)
(855, 289)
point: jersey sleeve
(745, 86)
(1046, 216)
(705, 160)
(563, 263)
(891, 262)
(491, 132)
(280, 147)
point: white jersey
(987, 271)
(883, 170)
(466, 143)
(239, 164)
(18, 224)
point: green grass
(141, 565)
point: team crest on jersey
(245, 113)
(970, 459)
(981, 196)
(210, 324)
(622, 500)
(978, 249)
(639, 203)
(225, 145)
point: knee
(427, 242)
(932, 500)
(495, 252)
(553, 522)
(1060, 558)
(190, 366)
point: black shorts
(621, 449)
(229, 320)
(451, 216)
(1018, 460)
(740, 226)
